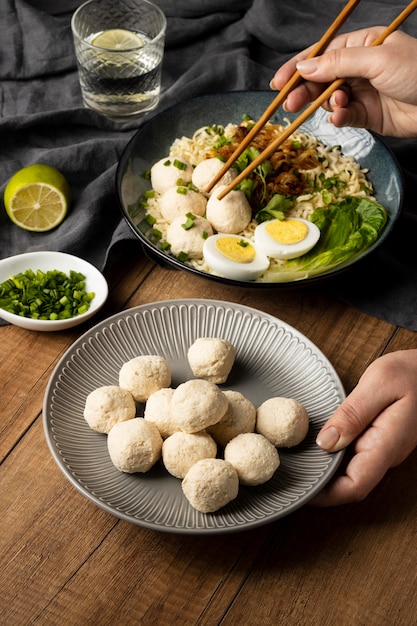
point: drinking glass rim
(160, 35)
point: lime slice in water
(117, 39)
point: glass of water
(119, 46)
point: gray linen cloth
(211, 46)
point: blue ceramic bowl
(153, 140)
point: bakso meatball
(158, 411)
(211, 358)
(210, 484)
(145, 374)
(134, 445)
(205, 171)
(168, 171)
(197, 404)
(180, 201)
(284, 421)
(231, 214)
(239, 418)
(108, 405)
(187, 234)
(254, 458)
(182, 450)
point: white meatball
(210, 484)
(231, 214)
(145, 374)
(284, 421)
(211, 358)
(239, 418)
(158, 411)
(197, 404)
(182, 450)
(254, 458)
(168, 171)
(107, 405)
(188, 240)
(205, 171)
(134, 445)
(180, 201)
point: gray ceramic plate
(154, 138)
(272, 359)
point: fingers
(363, 473)
(379, 387)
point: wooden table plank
(61, 555)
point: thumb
(340, 63)
(361, 407)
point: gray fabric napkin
(211, 46)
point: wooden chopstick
(313, 106)
(280, 98)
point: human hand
(380, 417)
(380, 91)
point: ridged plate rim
(273, 358)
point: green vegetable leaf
(275, 209)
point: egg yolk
(236, 250)
(287, 232)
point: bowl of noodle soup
(333, 164)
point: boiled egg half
(233, 256)
(286, 239)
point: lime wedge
(117, 39)
(37, 198)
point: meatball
(134, 445)
(180, 201)
(231, 214)
(181, 450)
(205, 171)
(284, 421)
(254, 458)
(168, 171)
(211, 358)
(158, 411)
(105, 406)
(210, 484)
(188, 240)
(197, 404)
(145, 374)
(239, 418)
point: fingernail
(328, 438)
(308, 66)
(271, 85)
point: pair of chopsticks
(294, 80)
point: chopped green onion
(182, 256)
(180, 164)
(189, 223)
(167, 162)
(150, 219)
(50, 295)
(182, 190)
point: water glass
(119, 46)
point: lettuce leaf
(347, 228)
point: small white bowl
(63, 262)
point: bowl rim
(60, 261)
(171, 262)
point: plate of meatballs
(193, 416)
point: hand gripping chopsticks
(325, 95)
(294, 80)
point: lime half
(117, 39)
(37, 198)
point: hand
(380, 417)
(381, 81)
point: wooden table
(64, 561)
